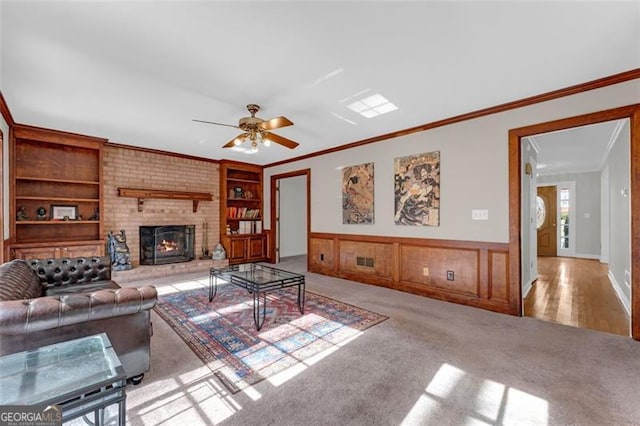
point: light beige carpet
(431, 363)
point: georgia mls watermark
(30, 415)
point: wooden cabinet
(247, 248)
(241, 212)
(48, 252)
(56, 193)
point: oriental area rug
(223, 334)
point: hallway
(576, 292)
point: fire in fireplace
(160, 245)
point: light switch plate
(477, 214)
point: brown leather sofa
(53, 300)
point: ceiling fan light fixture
(255, 130)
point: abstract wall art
(417, 189)
(357, 194)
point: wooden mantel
(141, 194)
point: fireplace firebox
(160, 245)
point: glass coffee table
(77, 377)
(258, 280)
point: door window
(541, 212)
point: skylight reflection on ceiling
(372, 106)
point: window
(565, 206)
(541, 212)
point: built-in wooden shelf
(55, 222)
(88, 200)
(141, 194)
(232, 179)
(39, 179)
(245, 200)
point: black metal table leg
(301, 294)
(256, 309)
(213, 287)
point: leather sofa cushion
(18, 281)
(81, 288)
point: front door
(546, 221)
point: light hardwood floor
(576, 292)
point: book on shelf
(249, 227)
(242, 213)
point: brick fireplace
(125, 167)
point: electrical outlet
(321, 256)
(450, 276)
(425, 271)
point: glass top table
(258, 280)
(81, 376)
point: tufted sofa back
(65, 271)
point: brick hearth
(147, 271)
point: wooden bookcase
(241, 212)
(50, 168)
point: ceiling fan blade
(281, 140)
(217, 124)
(275, 123)
(232, 142)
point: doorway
(290, 214)
(571, 288)
(521, 239)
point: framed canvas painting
(417, 189)
(357, 194)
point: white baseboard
(625, 301)
(587, 256)
(297, 253)
(526, 288)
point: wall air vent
(365, 261)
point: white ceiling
(137, 73)
(576, 150)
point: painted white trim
(612, 140)
(533, 230)
(605, 220)
(552, 172)
(623, 299)
(587, 256)
(534, 144)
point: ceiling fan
(257, 130)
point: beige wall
(137, 169)
(474, 170)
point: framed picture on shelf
(64, 212)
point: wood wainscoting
(421, 266)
